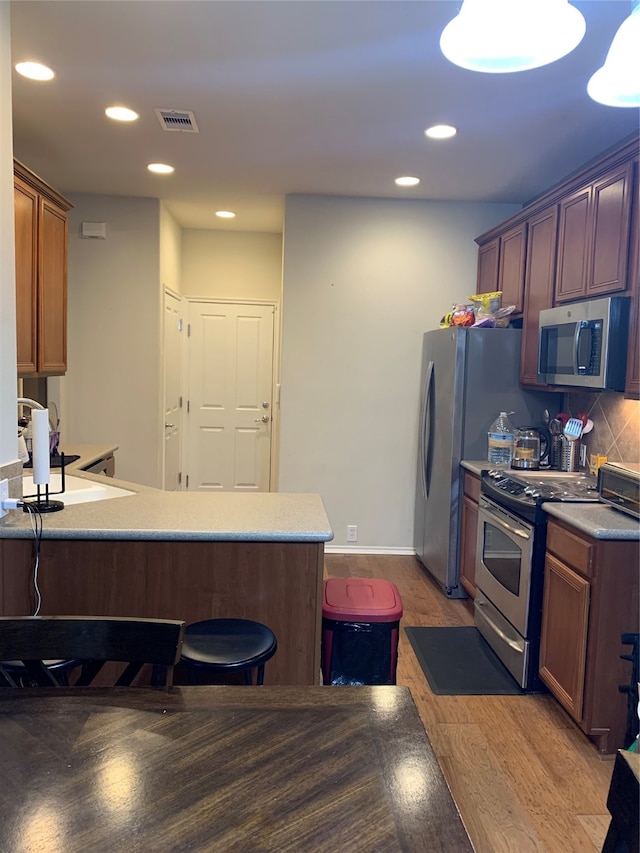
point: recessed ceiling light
(407, 181)
(440, 131)
(121, 113)
(160, 168)
(225, 214)
(34, 71)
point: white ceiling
(295, 96)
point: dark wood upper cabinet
(488, 267)
(594, 234)
(511, 266)
(539, 281)
(632, 389)
(501, 266)
(41, 233)
(579, 240)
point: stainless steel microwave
(585, 343)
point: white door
(172, 402)
(230, 382)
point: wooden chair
(92, 641)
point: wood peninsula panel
(279, 584)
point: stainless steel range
(512, 531)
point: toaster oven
(619, 486)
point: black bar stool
(220, 646)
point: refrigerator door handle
(425, 438)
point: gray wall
(363, 279)
(111, 392)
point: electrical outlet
(352, 533)
(4, 494)
(583, 455)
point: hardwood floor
(525, 778)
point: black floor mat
(459, 661)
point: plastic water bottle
(501, 441)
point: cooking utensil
(587, 424)
(573, 429)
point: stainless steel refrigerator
(468, 377)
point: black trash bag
(361, 652)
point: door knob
(264, 419)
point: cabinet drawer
(571, 549)
(472, 487)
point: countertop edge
(597, 520)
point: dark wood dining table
(256, 769)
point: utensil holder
(555, 451)
(569, 455)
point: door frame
(168, 291)
(274, 445)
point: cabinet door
(573, 246)
(468, 535)
(25, 201)
(511, 266)
(52, 289)
(488, 267)
(611, 201)
(563, 645)
(632, 387)
(538, 287)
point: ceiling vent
(182, 120)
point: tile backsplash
(616, 424)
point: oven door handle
(495, 520)
(511, 643)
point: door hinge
(188, 406)
(187, 483)
(180, 324)
(179, 402)
(188, 330)
(179, 477)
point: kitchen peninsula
(180, 555)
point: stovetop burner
(525, 491)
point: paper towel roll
(40, 426)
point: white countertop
(155, 514)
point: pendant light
(617, 83)
(501, 36)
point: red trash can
(360, 624)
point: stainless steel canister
(569, 454)
(555, 428)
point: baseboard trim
(346, 549)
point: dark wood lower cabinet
(469, 533)
(564, 640)
(590, 600)
(277, 583)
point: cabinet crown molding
(622, 152)
(25, 174)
